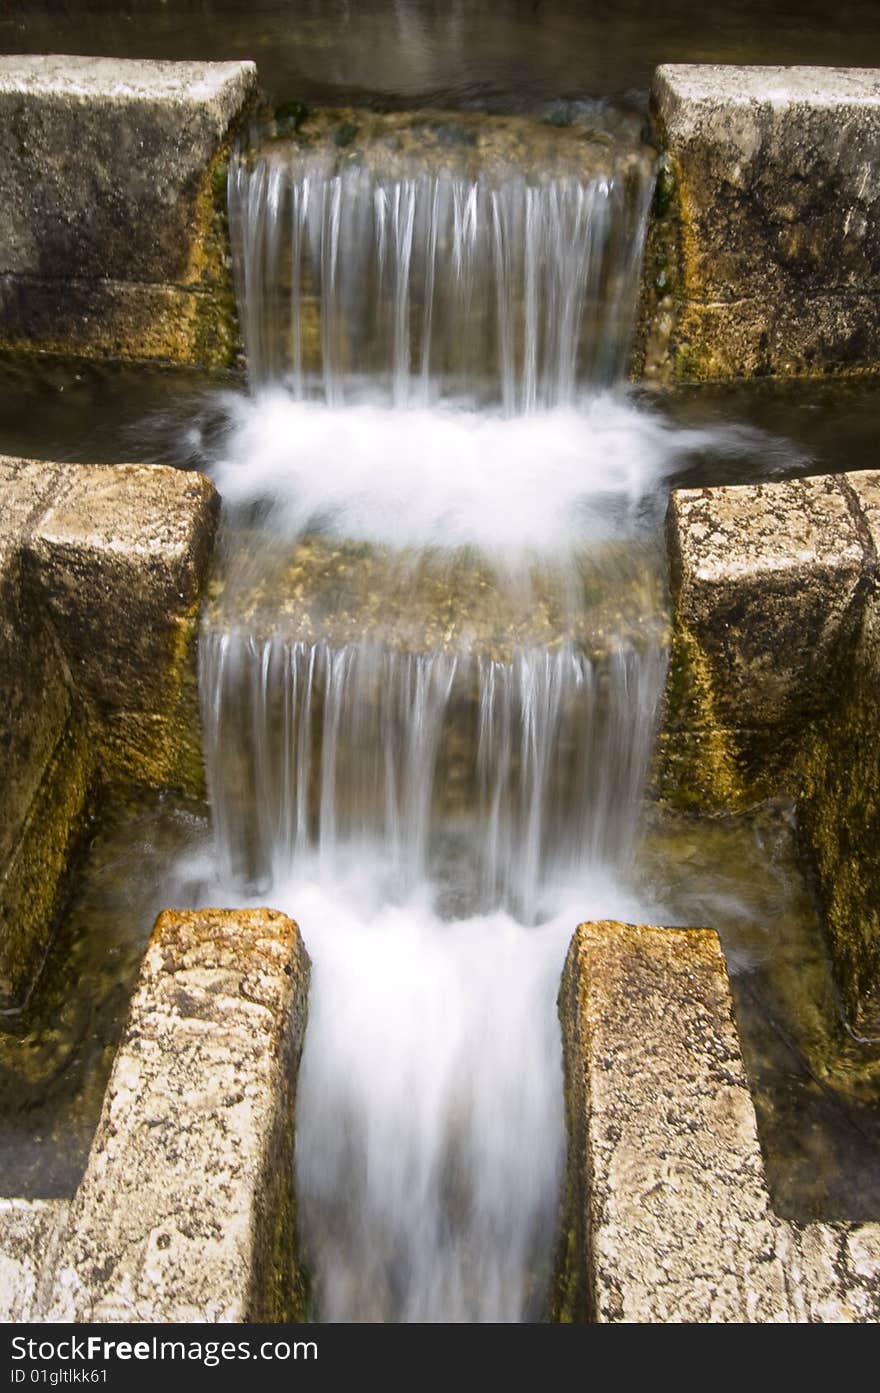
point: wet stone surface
(422, 601)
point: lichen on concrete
(839, 796)
(776, 194)
(120, 558)
(185, 1211)
(773, 685)
(669, 1216)
(28, 1237)
(766, 585)
(101, 572)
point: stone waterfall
(437, 800)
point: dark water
(511, 53)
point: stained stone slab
(839, 792)
(669, 1214)
(108, 170)
(774, 680)
(120, 557)
(28, 1234)
(101, 570)
(185, 1211)
(775, 202)
(46, 760)
(764, 578)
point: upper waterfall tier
(437, 256)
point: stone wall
(668, 1212)
(186, 1208)
(775, 685)
(112, 206)
(100, 575)
(765, 257)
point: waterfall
(311, 748)
(427, 721)
(511, 282)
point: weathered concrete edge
(751, 566)
(742, 327)
(118, 606)
(773, 682)
(162, 293)
(186, 1209)
(649, 1124)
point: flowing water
(441, 252)
(431, 677)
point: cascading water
(430, 681)
(432, 275)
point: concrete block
(112, 220)
(185, 1211)
(776, 213)
(28, 1236)
(120, 558)
(669, 1217)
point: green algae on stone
(696, 761)
(773, 212)
(34, 876)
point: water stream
(431, 679)
(430, 675)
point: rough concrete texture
(774, 262)
(669, 1215)
(120, 557)
(45, 753)
(185, 1212)
(774, 681)
(766, 583)
(112, 178)
(28, 1242)
(100, 573)
(839, 796)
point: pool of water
(514, 54)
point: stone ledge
(108, 169)
(773, 224)
(185, 1211)
(100, 575)
(669, 1216)
(774, 681)
(765, 577)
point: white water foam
(430, 1136)
(438, 822)
(450, 477)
